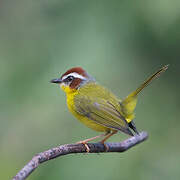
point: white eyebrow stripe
(75, 75)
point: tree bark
(78, 148)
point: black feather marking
(133, 127)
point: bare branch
(77, 148)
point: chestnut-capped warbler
(97, 107)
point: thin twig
(77, 148)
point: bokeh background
(120, 43)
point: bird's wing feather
(102, 112)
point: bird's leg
(107, 137)
(90, 139)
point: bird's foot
(105, 146)
(87, 140)
(85, 144)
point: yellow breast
(70, 93)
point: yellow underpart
(70, 94)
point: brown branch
(77, 148)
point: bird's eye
(69, 78)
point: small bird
(97, 107)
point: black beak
(57, 81)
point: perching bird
(97, 107)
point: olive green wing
(102, 112)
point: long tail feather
(129, 103)
(149, 80)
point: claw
(106, 147)
(85, 144)
(87, 140)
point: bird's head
(73, 79)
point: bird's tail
(129, 103)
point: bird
(97, 107)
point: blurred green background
(120, 43)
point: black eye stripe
(69, 79)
